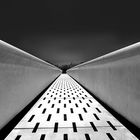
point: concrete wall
(22, 78)
(115, 79)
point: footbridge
(96, 100)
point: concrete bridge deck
(66, 111)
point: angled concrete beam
(115, 79)
(22, 77)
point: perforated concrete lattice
(68, 112)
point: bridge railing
(22, 78)
(115, 79)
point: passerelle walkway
(68, 112)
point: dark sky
(65, 31)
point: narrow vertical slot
(87, 137)
(65, 117)
(39, 105)
(88, 105)
(95, 115)
(49, 117)
(110, 136)
(65, 136)
(71, 109)
(93, 126)
(44, 110)
(48, 101)
(52, 106)
(35, 128)
(98, 110)
(80, 101)
(64, 105)
(31, 118)
(74, 127)
(58, 110)
(59, 101)
(56, 127)
(76, 104)
(90, 101)
(111, 125)
(18, 137)
(80, 117)
(69, 101)
(42, 137)
(85, 110)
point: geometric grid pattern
(68, 112)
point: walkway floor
(67, 112)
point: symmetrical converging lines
(66, 112)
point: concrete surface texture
(115, 79)
(22, 78)
(68, 112)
